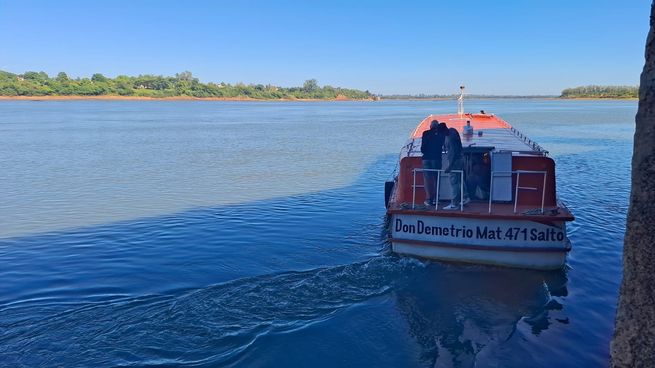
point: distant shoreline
(248, 99)
(173, 98)
(599, 98)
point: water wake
(212, 325)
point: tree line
(157, 86)
(601, 92)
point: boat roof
(496, 133)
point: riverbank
(247, 99)
(598, 98)
(174, 98)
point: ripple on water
(211, 325)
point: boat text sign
(520, 233)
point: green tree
(62, 77)
(182, 84)
(310, 85)
(601, 92)
(39, 77)
(97, 77)
(185, 76)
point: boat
(514, 218)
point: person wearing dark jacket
(455, 162)
(432, 142)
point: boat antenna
(460, 102)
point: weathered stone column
(633, 344)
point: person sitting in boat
(455, 162)
(477, 181)
(431, 147)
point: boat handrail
(535, 146)
(439, 171)
(516, 190)
(532, 153)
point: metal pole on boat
(414, 190)
(460, 102)
(491, 190)
(436, 198)
(543, 193)
(461, 191)
(516, 191)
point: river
(210, 233)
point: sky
(505, 47)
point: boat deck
(480, 209)
(495, 132)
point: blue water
(253, 234)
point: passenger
(455, 162)
(443, 130)
(468, 129)
(477, 182)
(431, 147)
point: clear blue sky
(493, 47)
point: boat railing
(533, 153)
(528, 141)
(439, 171)
(517, 187)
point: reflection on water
(460, 315)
